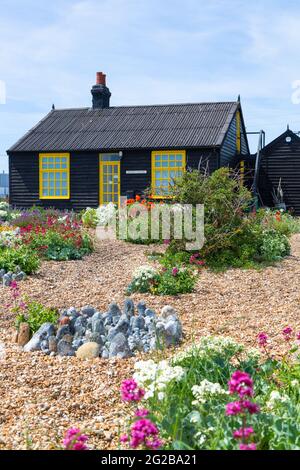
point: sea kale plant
(164, 281)
(216, 395)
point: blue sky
(153, 51)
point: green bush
(274, 246)
(35, 315)
(168, 281)
(22, 257)
(55, 246)
(183, 282)
(90, 218)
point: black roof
(130, 127)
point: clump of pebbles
(88, 333)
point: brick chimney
(100, 92)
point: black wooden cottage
(78, 158)
(279, 173)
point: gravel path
(42, 396)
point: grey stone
(88, 311)
(98, 327)
(149, 313)
(72, 312)
(114, 310)
(129, 307)
(80, 323)
(123, 324)
(173, 332)
(112, 332)
(119, 345)
(141, 307)
(167, 310)
(96, 338)
(6, 280)
(64, 348)
(20, 276)
(105, 354)
(137, 323)
(68, 338)
(77, 342)
(45, 331)
(45, 346)
(62, 331)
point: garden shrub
(20, 256)
(216, 395)
(36, 314)
(274, 246)
(89, 218)
(167, 281)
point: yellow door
(109, 182)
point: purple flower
(262, 339)
(130, 391)
(233, 408)
(75, 440)
(287, 333)
(241, 383)
(124, 438)
(145, 433)
(175, 271)
(251, 407)
(142, 412)
(243, 433)
(251, 446)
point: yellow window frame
(54, 170)
(168, 168)
(102, 192)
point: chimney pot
(100, 79)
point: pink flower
(243, 433)
(251, 446)
(241, 383)
(166, 242)
(75, 440)
(298, 336)
(130, 391)
(287, 333)
(251, 407)
(124, 438)
(145, 433)
(262, 339)
(142, 412)
(175, 271)
(233, 408)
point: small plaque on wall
(136, 172)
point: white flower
(205, 389)
(154, 377)
(275, 399)
(209, 345)
(144, 273)
(200, 437)
(295, 383)
(105, 214)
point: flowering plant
(193, 410)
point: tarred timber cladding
(281, 160)
(84, 182)
(84, 176)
